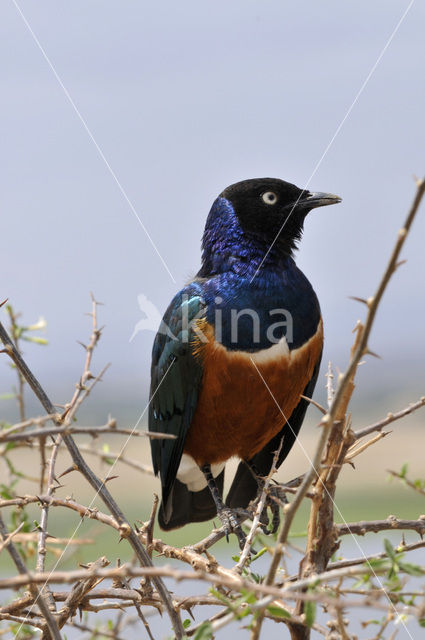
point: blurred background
(183, 99)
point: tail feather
(184, 506)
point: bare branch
(391, 417)
(81, 392)
(37, 594)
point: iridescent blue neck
(227, 247)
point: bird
(236, 357)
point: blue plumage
(236, 282)
(249, 295)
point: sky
(121, 123)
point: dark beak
(311, 200)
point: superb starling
(237, 348)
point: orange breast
(246, 398)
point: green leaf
(220, 596)
(404, 469)
(204, 632)
(258, 578)
(377, 563)
(259, 554)
(389, 550)
(310, 613)
(35, 339)
(5, 492)
(278, 612)
(187, 623)
(421, 622)
(411, 569)
(7, 396)
(247, 596)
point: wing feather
(176, 377)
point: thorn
(9, 350)
(314, 403)
(82, 344)
(71, 468)
(399, 263)
(368, 352)
(110, 478)
(358, 327)
(4, 302)
(64, 414)
(419, 181)
(357, 299)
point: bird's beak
(311, 200)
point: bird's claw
(231, 524)
(276, 497)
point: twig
(419, 489)
(14, 330)
(354, 450)
(329, 384)
(37, 594)
(391, 417)
(107, 456)
(90, 431)
(319, 551)
(10, 536)
(79, 591)
(98, 485)
(41, 546)
(377, 556)
(289, 512)
(374, 526)
(20, 426)
(258, 511)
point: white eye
(269, 197)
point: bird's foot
(275, 499)
(231, 524)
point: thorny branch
(81, 392)
(336, 438)
(237, 592)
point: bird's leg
(227, 516)
(276, 496)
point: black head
(274, 210)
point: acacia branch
(80, 393)
(336, 431)
(391, 417)
(374, 526)
(109, 428)
(36, 593)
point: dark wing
(176, 376)
(244, 486)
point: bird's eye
(269, 197)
